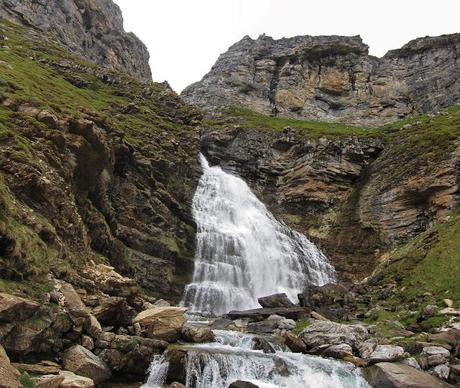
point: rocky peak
(332, 78)
(93, 29)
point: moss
(248, 119)
(429, 264)
(300, 325)
(26, 381)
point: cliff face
(94, 165)
(93, 29)
(357, 196)
(332, 78)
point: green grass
(248, 119)
(430, 263)
(300, 325)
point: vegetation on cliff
(82, 150)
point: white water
(243, 252)
(231, 358)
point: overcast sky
(185, 37)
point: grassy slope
(36, 70)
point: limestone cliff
(93, 29)
(333, 78)
(358, 194)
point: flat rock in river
(264, 313)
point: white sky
(185, 37)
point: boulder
(275, 300)
(162, 322)
(221, 323)
(450, 312)
(321, 333)
(242, 384)
(449, 336)
(397, 375)
(14, 308)
(92, 326)
(455, 373)
(161, 303)
(412, 362)
(72, 301)
(80, 360)
(260, 343)
(441, 371)
(48, 381)
(294, 343)
(71, 380)
(339, 351)
(429, 311)
(435, 355)
(197, 334)
(263, 327)
(9, 376)
(386, 353)
(114, 311)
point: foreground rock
(71, 380)
(386, 353)
(397, 375)
(48, 381)
(9, 376)
(13, 308)
(275, 300)
(242, 384)
(81, 361)
(323, 334)
(164, 323)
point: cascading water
(243, 252)
(231, 358)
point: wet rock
(275, 300)
(397, 375)
(339, 351)
(259, 343)
(293, 342)
(9, 376)
(264, 313)
(72, 380)
(14, 308)
(323, 333)
(386, 353)
(262, 327)
(221, 323)
(177, 368)
(79, 360)
(198, 334)
(242, 384)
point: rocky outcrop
(92, 29)
(332, 78)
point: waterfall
(242, 251)
(231, 358)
